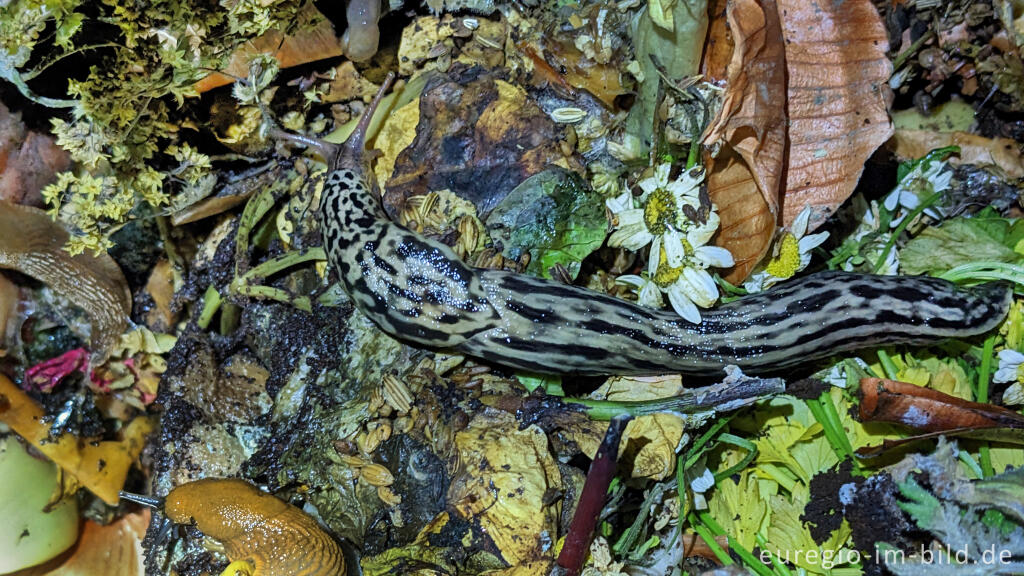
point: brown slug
(277, 538)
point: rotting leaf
(962, 241)
(974, 149)
(477, 136)
(94, 283)
(677, 50)
(503, 477)
(928, 410)
(555, 217)
(100, 466)
(307, 45)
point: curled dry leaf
(823, 68)
(306, 46)
(928, 410)
(838, 100)
(94, 283)
(974, 149)
(477, 136)
(743, 181)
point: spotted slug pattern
(418, 290)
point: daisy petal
(682, 305)
(661, 173)
(1014, 395)
(699, 286)
(654, 258)
(631, 280)
(714, 256)
(674, 251)
(799, 227)
(1010, 356)
(808, 243)
(1005, 374)
(619, 203)
(650, 295)
(631, 237)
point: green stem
(981, 395)
(709, 539)
(985, 271)
(902, 58)
(742, 444)
(902, 227)
(745, 555)
(888, 366)
(261, 292)
(211, 303)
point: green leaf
(925, 161)
(68, 26)
(555, 217)
(962, 241)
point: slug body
(33, 244)
(418, 290)
(276, 537)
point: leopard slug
(418, 290)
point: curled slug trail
(418, 290)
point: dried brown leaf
(974, 149)
(744, 180)
(310, 45)
(838, 100)
(928, 410)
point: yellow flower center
(788, 261)
(660, 211)
(1020, 373)
(666, 275)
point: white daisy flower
(924, 179)
(659, 212)
(688, 287)
(1009, 366)
(1014, 395)
(667, 216)
(792, 254)
(869, 224)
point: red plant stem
(592, 498)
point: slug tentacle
(418, 290)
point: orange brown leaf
(928, 410)
(837, 100)
(744, 180)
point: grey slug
(418, 290)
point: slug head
(222, 508)
(351, 153)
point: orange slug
(33, 244)
(277, 538)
